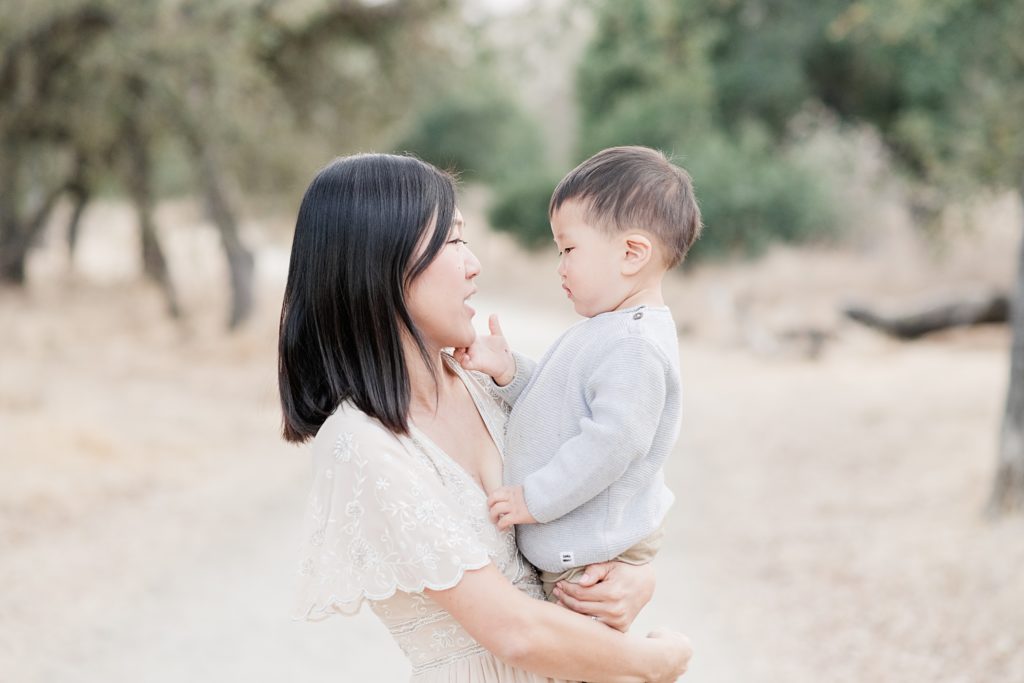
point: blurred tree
(477, 130)
(944, 83)
(645, 78)
(37, 160)
(520, 207)
(482, 133)
(476, 125)
(100, 91)
(688, 77)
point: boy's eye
(566, 250)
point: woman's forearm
(560, 643)
(552, 641)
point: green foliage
(521, 208)
(644, 76)
(954, 86)
(751, 195)
(478, 131)
(714, 84)
(765, 57)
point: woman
(407, 445)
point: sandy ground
(828, 524)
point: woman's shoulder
(349, 429)
(347, 416)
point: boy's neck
(649, 294)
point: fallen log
(991, 307)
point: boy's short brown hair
(635, 188)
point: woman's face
(437, 299)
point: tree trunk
(12, 249)
(12, 257)
(140, 186)
(12, 266)
(18, 233)
(1008, 489)
(80, 193)
(81, 199)
(241, 264)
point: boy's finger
(595, 573)
(498, 510)
(494, 325)
(504, 523)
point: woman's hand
(614, 592)
(678, 653)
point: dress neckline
(420, 438)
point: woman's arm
(614, 592)
(551, 641)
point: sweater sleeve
(626, 397)
(524, 371)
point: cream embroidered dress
(390, 516)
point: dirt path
(160, 570)
(827, 525)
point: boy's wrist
(505, 378)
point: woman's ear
(638, 253)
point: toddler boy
(593, 421)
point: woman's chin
(467, 341)
(463, 339)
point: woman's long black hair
(353, 255)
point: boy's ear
(638, 253)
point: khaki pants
(641, 553)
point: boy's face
(590, 262)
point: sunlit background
(841, 510)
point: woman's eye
(457, 240)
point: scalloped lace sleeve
(378, 520)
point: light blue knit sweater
(591, 426)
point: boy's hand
(508, 506)
(489, 354)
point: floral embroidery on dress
(343, 447)
(444, 638)
(388, 518)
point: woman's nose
(472, 264)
